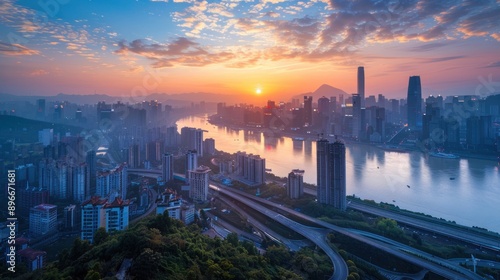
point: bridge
(153, 173)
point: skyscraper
(167, 167)
(191, 162)
(331, 173)
(308, 110)
(295, 184)
(198, 180)
(414, 102)
(361, 85)
(356, 115)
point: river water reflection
(414, 181)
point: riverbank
(314, 136)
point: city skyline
(260, 49)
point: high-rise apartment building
(191, 162)
(192, 138)
(134, 156)
(250, 168)
(295, 184)
(43, 219)
(414, 103)
(198, 181)
(167, 167)
(97, 212)
(331, 173)
(114, 180)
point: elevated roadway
(404, 252)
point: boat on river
(443, 155)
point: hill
(26, 130)
(163, 248)
(324, 90)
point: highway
(434, 264)
(414, 256)
(340, 271)
(451, 231)
(293, 245)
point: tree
(232, 238)
(100, 236)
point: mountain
(324, 90)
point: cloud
(39, 72)
(322, 30)
(430, 46)
(181, 51)
(16, 49)
(493, 64)
(297, 32)
(446, 58)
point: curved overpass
(340, 270)
(412, 255)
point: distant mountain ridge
(324, 90)
(178, 99)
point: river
(413, 181)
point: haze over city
(270, 49)
(250, 139)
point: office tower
(414, 100)
(331, 173)
(308, 110)
(370, 101)
(361, 85)
(167, 167)
(191, 162)
(209, 146)
(356, 116)
(333, 104)
(40, 112)
(324, 106)
(134, 156)
(43, 219)
(113, 180)
(198, 181)
(295, 184)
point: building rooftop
(95, 200)
(118, 202)
(44, 207)
(31, 254)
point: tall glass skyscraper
(414, 100)
(361, 85)
(331, 173)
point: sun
(258, 91)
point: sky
(256, 49)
